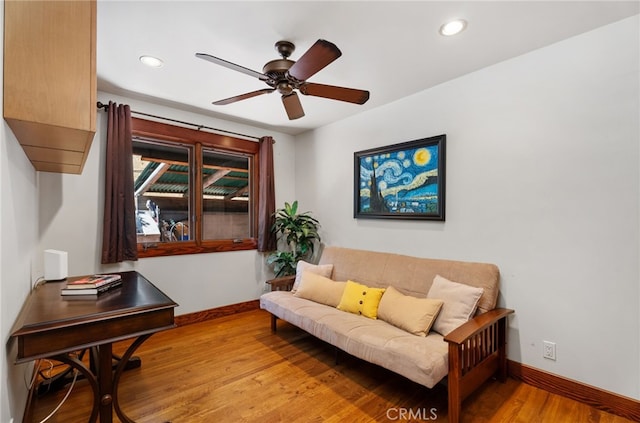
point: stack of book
(91, 285)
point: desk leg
(105, 382)
(116, 376)
(93, 381)
(103, 379)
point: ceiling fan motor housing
(276, 70)
(286, 76)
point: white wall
(542, 179)
(71, 220)
(18, 243)
(18, 240)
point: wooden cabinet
(50, 80)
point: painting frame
(408, 180)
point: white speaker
(55, 265)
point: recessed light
(453, 27)
(151, 61)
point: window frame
(197, 139)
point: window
(225, 196)
(194, 190)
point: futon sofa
(425, 319)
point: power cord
(38, 370)
(48, 376)
(55, 410)
(39, 281)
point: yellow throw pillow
(317, 288)
(413, 314)
(361, 299)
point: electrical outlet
(549, 350)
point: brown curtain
(119, 232)
(266, 197)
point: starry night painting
(402, 181)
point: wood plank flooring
(233, 369)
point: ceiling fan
(286, 76)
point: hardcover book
(92, 291)
(92, 281)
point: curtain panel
(266, 197)
(119, 242)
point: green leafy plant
(298, 233)
(284, 263)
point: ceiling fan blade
(293, 106)
(232, 66)
(317, 57)
(350, 95)
(243, 96)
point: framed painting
(401, 181)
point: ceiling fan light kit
(286, 76)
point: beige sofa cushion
(415, 315)
(423, 360)
(320, 289)
(302, 266)
(460, 302)
(411, 275)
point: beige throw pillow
(320, 289)
(460, 302)
(413, 314)
(302, 266)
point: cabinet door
(50, 79)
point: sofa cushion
(320, 289)
(423, 360)
(361, 299)
(303, 266)
(410, 275)
(413, 314)
(460, 302)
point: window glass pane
(226, 200)
(162, 191)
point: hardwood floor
(233, 369)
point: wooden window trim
(164, 132)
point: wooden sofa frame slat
(467, 344)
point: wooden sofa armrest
(284, 283)
(477, 351)
(476, 325)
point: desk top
(47, 314)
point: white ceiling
(393, 49)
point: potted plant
(297, 233)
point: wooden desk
(52, 326)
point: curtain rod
(105, 107)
